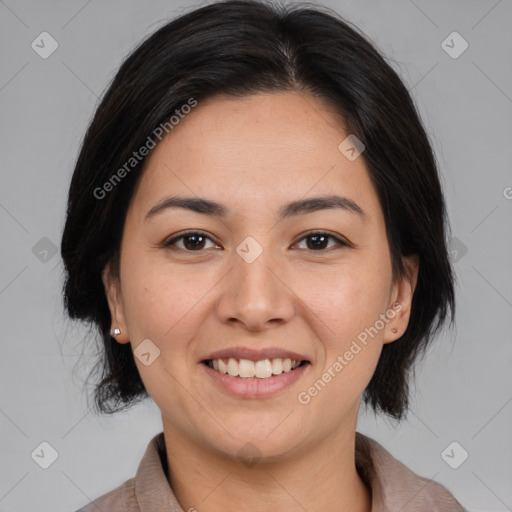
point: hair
(236, 48)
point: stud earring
(116, 332)
(395, 330)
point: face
(260, 277)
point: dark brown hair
(237, 48)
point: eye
(193, 241)
(319, 240)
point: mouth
(248, 369)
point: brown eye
(318, 241)
(193, 241)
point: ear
(399, 310)
(115, 304)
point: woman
(257, 229)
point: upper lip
(255, 354)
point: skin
(254, 155)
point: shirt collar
(393, 485)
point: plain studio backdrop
(455, 59)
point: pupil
(324, 238)
(194, 245)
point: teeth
(233, 367)
(245, 368)
(223, 367)
(277, 366)
(263, 369)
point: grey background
(463, 391)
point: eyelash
(171, 242)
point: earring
(395, 330)
(396, 304)
(116, 332)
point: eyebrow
(294, 208)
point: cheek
(352, 345)
(162, 303)
(161, 299)
(346, 301)
(347, 306)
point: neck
(322, 477)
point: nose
(257, 294)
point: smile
(255, 387)
(247, 369)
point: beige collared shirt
(395, 488)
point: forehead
(256, 153)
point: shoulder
(121, 498)
(396, 487)
(147, 491)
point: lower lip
(255, 387)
